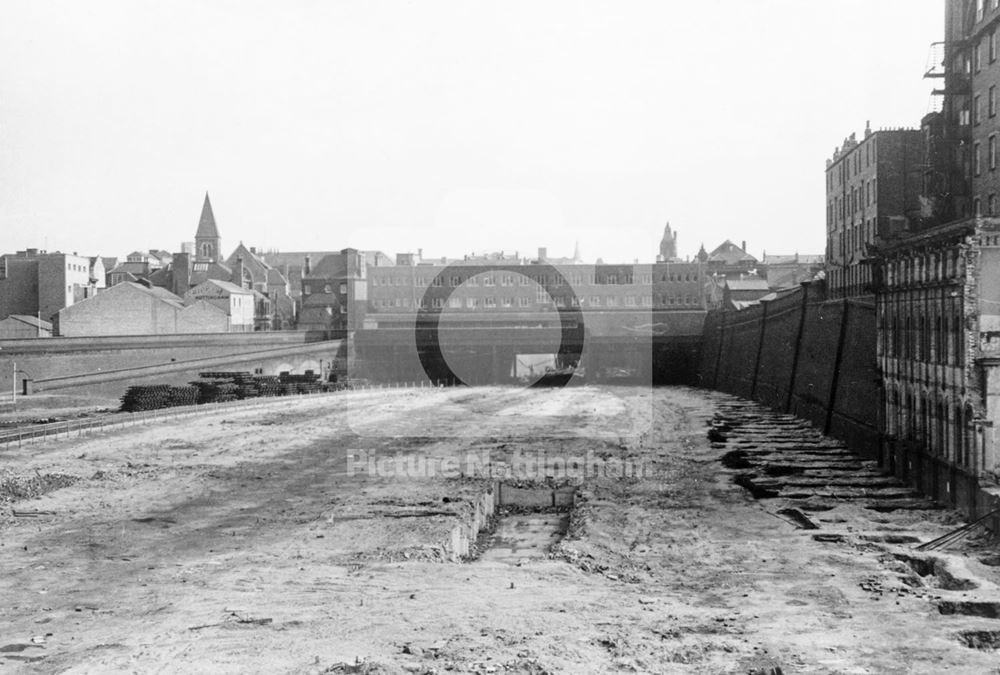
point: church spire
(668, 244)
(207, 242)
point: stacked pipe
(153, 397)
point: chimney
(253, 249)
(181, 274)
(420, 254)
(238, 272)
(744, 246)
(543, 254)
(307, 269)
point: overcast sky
(448, 126)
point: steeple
(668, 245)
(576, 252)
(208, 244)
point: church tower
(668, 245)
(207, 243)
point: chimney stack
(181, 273)
(307, 269)
(744, 246)
(238, 272)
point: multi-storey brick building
(39, 283)
(937, 281)
(872, 188)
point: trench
(934, 573)
(986, 640)
(514, 522)
(985, 609)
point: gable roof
(206, 225)
(331, 267)
(32, 321)
(747, 285)
(226, 286)
(729, 253)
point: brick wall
(803, 355)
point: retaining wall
(107, 365)
(803, 355)
(816, 359)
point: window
(343, 289)
(977, 207)
(993, 47)
(977, 159)
(455, 303)
(977, 109)
(595, 300)
(991, 205)
(507, 302)
(523, 301)
(992, 152)
(437, 303)
(491, 302)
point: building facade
(134, 309)
(873, 188)
(39, 283)
(938, 312)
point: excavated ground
(320, 536)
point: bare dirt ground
(248, 542)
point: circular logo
(450, 278)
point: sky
(448, 126)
